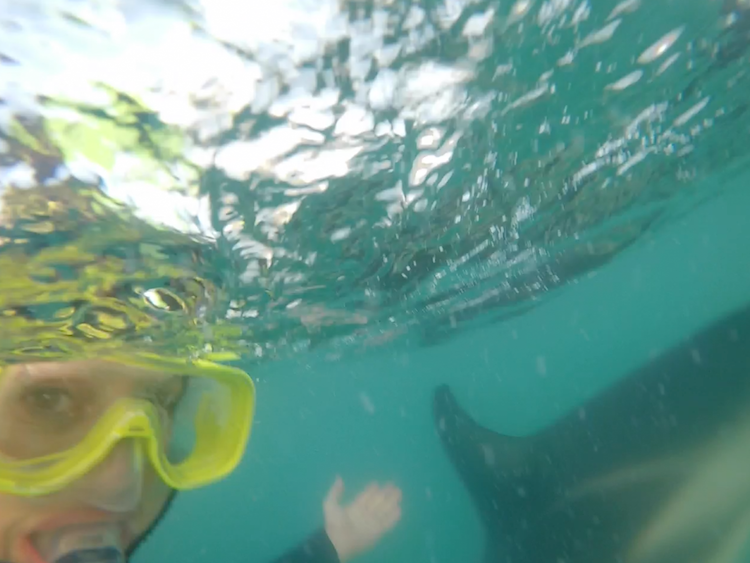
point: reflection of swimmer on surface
(92, 453)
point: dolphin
(654, 469)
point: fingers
(333, 497)
(389, 518)
(388, 509)
(390, 496)
(382, 498)
(382, 504)
(375, 495)
(369, 496)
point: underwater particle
(625, 81)
(541, 365)
(367, 403)
(661, 46)
(696, 356)
(489, 454)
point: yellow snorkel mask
(58, 421)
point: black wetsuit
(316, 549)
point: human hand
(355, 528)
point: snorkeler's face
(46, 408)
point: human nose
(116, 484)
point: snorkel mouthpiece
(86, 544)
(108, 554)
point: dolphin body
(655, 469)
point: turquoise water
(312, 423)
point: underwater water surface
(312, 421)
(358, 202)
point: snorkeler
(92, 453)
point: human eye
(168, 394)
(49, 402)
